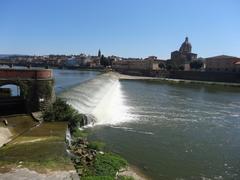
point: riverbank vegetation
(90, 161)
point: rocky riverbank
(91, 162)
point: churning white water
(101, 99)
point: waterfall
(68, 137)
(100, 99)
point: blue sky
(129, 28)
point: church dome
(186, 47)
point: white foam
(102, 98)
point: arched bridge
(35, 86)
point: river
(169, 131)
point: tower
(99, 53)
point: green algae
(19, 124)
(40, 148)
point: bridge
(6, 63)
(35, 90)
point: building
(72, 62)
(222, 63)
(184, 55)
(136, 65)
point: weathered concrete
(38, 152)
(5, 135)
(25, 174)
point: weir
(100, 99)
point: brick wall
(26, 74)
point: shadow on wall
(11, 101)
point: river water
(169, 131)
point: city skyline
(128, 29)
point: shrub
(197, 64)
(61, 111)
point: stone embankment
(158, 79)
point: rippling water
(170, 131)
(178, 131)
(66, 79)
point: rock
(5, 122)
(100, 152)
(77, 161)
(78, 152)
(80, 171)
(84, 161)
(93, 152)
(89, 158)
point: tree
(198, 64)
(181, 68)
(161, 66)
(103, 60)
(106, 61)
(171, 66)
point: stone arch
(11, 103)
(10, 90)
(20, 84)
(36, 86)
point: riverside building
(222, 63)
(184, 55)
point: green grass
(76, 133)
(98, 178)
(96, 145)
(125, 178)
(107, 164)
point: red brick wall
(26, 74)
